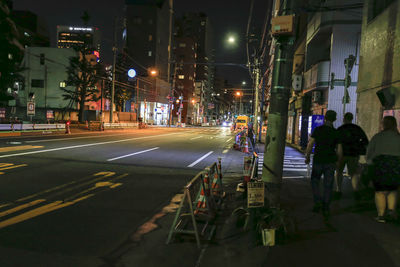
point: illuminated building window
(181, 77)
(150, 37)
(150, 53)
(182, 45)
(62, 85)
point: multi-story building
(197, 27)
(32, 29)
(328, 38)
(76, 36)
(146, 42)
(45, 73)
(379, 73)
(185, 78)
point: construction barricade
(202, 197)
(250, 164)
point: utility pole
(113, 76)
(171, 13)
(256, 84)
(278, 115)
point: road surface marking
(85, 145)
(294, 170)
(21, 207)
(200, 159)
(196, 137)
(136, 153)
(293, 177)
(228, 140)
(83, 183)
(13, 167)
(72, 138)
(16, 148)
(225, 151)
(41, 210)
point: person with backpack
(354, 142)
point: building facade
(379, 75)
(325, 40)
(74, 36)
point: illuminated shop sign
(80, 29)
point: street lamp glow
(153, 72)
(231, 39)
(243, 83)
(131, 73)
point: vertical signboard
(30, 108)
(2, 113)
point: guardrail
(121, 125)
(31, 126)
(202, 197)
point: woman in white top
(384, 153)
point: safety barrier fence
(202, 197)
(31, 126)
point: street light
(244, 83)
(153, 72)
(231, 40)
(239, 94)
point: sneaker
(317, 207)
(357, 196)
(337, 195)
(380, 219)
(391, 216)
(326, 214)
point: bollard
(67, 127)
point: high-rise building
(74, 36)
(32, 29)
(197, 27)
(146, 35)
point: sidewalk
(352, 238)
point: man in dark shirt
(327, 152)
(354, 142)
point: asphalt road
(73, 200)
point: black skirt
(386, 173)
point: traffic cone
(215, 186)
(201, 206)
(246, 171)
(87, 125)
(246, 147)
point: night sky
(225, 16)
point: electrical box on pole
(282, 25)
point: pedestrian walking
(354, 142)
(327, 152)
(250, 135)
(384, 154)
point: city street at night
(182, 133)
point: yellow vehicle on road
(242, 122)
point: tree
(83, 73)
(11, 52)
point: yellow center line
(41, 210)
(21, 207)
(16, 148)
(13, 167)
(5, 165)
